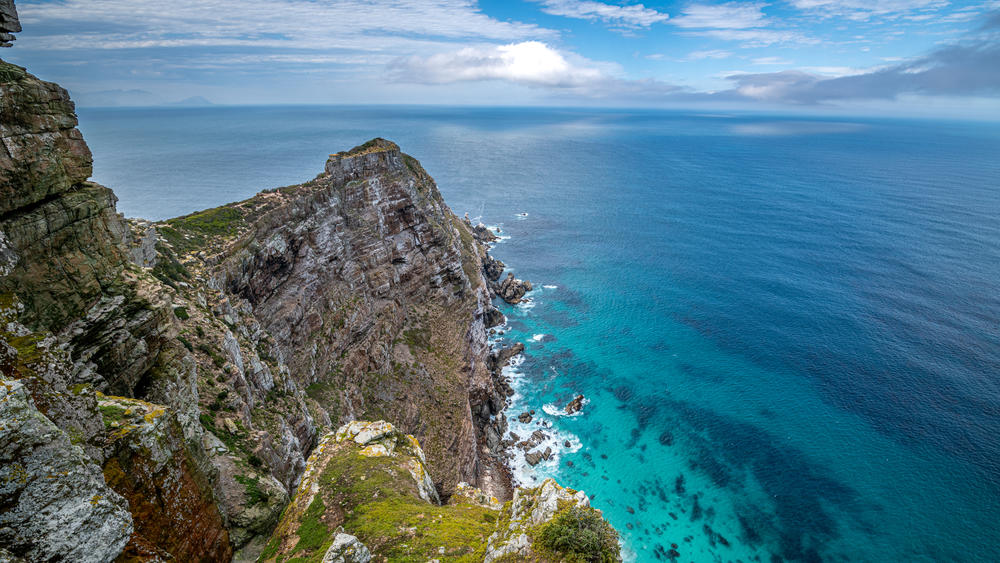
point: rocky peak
(377, 156)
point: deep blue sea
(788, 328)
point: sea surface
(787, 329)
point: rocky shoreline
(500, 439)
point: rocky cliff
(163, 384)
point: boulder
(512, 290)
(346, 549)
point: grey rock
(347, 549)
(57, 506)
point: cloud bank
(966, 69)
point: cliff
(163, 384)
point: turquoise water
(788, 329)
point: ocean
(787, 328)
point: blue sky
(933, 57)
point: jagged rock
(56, 505)
(501, 357)
(533, 458)
(66, 225)
(524, 417)
(493, 317)
(375, 276)
(492, 268)
(575, 405)
(512, 290)
(483, 234)
(346, 549)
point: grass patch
(192, 232)
(111, 414)
(312, 532)
(181, 313)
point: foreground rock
(369, 480)
(55, 503)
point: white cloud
(770, 61)
(752, 38)
(303, 24)
(732, 15)
(530, 62)
(631, 16)
(863, 10)
(736, 21)
(710, 54)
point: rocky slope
(163, 384)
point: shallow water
(788, 329)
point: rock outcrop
(8, 22)
(575, 405)
(512, 290)
(520, 531)
(361, 492)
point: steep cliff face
(371, 290)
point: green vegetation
(207, 421)
(217, 358)
(313, 533)
(181, 313)
(387, 515)
(417, 338)
(186, 343)
(192, 232)
(111, 414)
(10, 72)
(167, 269)
(28, 351)
(581, 535)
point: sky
(922, 57)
